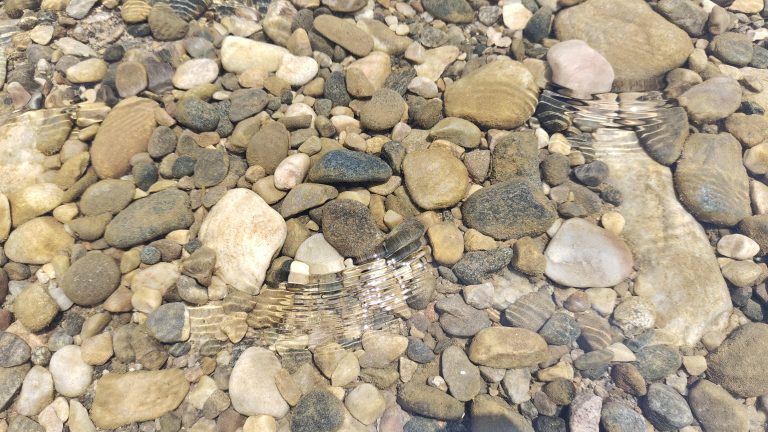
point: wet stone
(656, 362)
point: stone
(365, 403)
(617, 416)
(602, 259)
(687, 15)
(124, 398)
(33, 201)
(321, 257)
(732, 48)
(712, 100)
(517, 385)
(71, 375)
(384, 39)
(490, 414)
(530, 311)
(149, 218)
(515, 156)
(78, 418)
(579, 68)
(13, 350)
(656, 362)
(651, 45)
(97, 350)
(195, 72)
(107, 196)
(715, 409)
(123, 133)
(476, 266)
(34, 308)
(169, 323)
(717, 194)
(245, 233)
(306, 196)
(560, 390)
(463, 378)
(430, 402)
(5, 217)
(239, 54)
(560, 329)
(750, 130)
(510, 209)
(268, 147)
(737, 246)
(196, 114)
(434, 178)
(503, 347)
(297, 70)
(731, 365)
(502, 95)
(11, 380)
(91, 279)
(318, 410)
(665, 408)
(634, 316)
(130, 78)
(349, 227)
(592, 174)
(459, 319)
(252, 387)
(458, 131)
(447, 243)
(452, 11)
(383, 111)
(585, 412)
(345, 34)
(87, 71)
(346, 166)
(36, 392)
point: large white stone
(297, 70)
(291, 171)
(239, 54)
(195, 72)
(579, 68)
(245, 233)
(78, 418)
(584, 255)
(36, 392)
(252, 385)
(319, 255)
(71, 375)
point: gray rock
(13, 350)
(418, 351)
(511, 209)
(656, 362)
(10, 383)
(530, 311)
(759, 57)
(346, 166)
(463, 377)
(539, 25)
(246, 103)
(91, 279)
(555, 169)
(686, 14)
(665, 408)
(106, 196)
(476, 266)
(430, 402)
(383, 111)
(491, 414)
(712, 100)
(756, 228)
(452, 11)
(592, 174)
(663, 140)
(732, 48)
(24, 424)
(318, 410)
(561, 391)
(593, 360)
(617, 416)
(197, 114)
(716, 409)
(459, 319)
(732, 364)
(169, 323)
(336, 89)
(515, 156)
(306, 196)
(560, 329)
(211, 167)
(149, 218)
(349, 227)
(162, 142)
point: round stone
(71, 375)
(383, 111)
(579, 68)
(195, 72)
(91, 279)
(434, 178)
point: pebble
(585, 412)
(656, 362)
(165, 24)
(434, 178)
(447, 243)
(730, 364)
(36, 392)
(245, 233)
(268, 147)
(149, 218)
(346, 166)
(13, 350)
(71, 375)
(716, 409)
(41, 34)
(365, 403)
(560, 329)
(430, 402)
(345, 34)
(712, 100)
(737, 246)
(617, 416)
(130, 123)
(476, 266)
(635, 315)
(33, 201)
(665, 408)
(458, 131)
(197, 114)
(603, 259)
(97, 350)
(195, 72)
(530, 311)
(489, 414)
(78, 420)
(34, 308)
(130, 79)
(503, 347)
(239, 54)
(463, 378)
(516, 384)
(501, 94)
(515, 156)
(297, 70)
(123, 398)
(383, 111)
(107, 196)
(211, 166)
(732, 48)
(579, 68)
(252, 387)
(87, 71)
(382, 348)
(515, 15)
(686, 15)
(305, 196)
(318, 409)
(169, 323)
(11, 380)
(321, 257)
(291, 171)
(459, 319)
(91, 279)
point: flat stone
(503, 347)
(501, 95)
(665, 408)
(91, 279)
(651, 45)
(239, 54)
(106, 196)
(434, 178)
(731, 365)
(476, 266)
(459, 319)
(344, 33)
(618, 416)
(490, 414)
(306, 196)
(687, 15)
(515, 156)
(346, 166)
(149, 218)
(712, 100)
(585, 412)
(130, 79)
(732, 48)
(252, 387)
(34, 200)
(458, 131)
(124, 398)
(13, 350)
(579, 68)
(166, 24)
(87, 71)
(716, 409)
(430, 402)
(365, 403)
(36, 392)
(37, 241)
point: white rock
(695, 364)
(603, 300)
(71, 375)
(584, 255)
(423, 87)
(436, 60)
(78, 9)
(515, 15)
(260, 423)
(239, 54)
(517, 384)
(252, 386)
(579, 68)
(296, 70)
(245, 233)
(585, 413)
(36, 392)
(621, 353)
(635, 315)
(758, 193)
(70, 46)
(737, 246)
(319, 255)
(756, 159)
(49, 420)
(376, 67)
(291, 171)
(200, 392)
(78, 418)
(195, 72)
(613, 221)
(365, 403)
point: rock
(196, 114)
(318, 410)
(750, 130)
(530, 311)
(756, 228)
(732, 48)
(87, 71)
(491, 414)
(601, 260)
(634, 316)
(344, 6)
(430, 402)
(717, 194)
(463, 378)
(149, 218)
(383, 111)
(165, 24)
(97, 350)
(458, 131)
(517, 385)
(34, 308)
(36, 392)
(459, 319)
(124, 398)
(501, 95)
(731, 365)
(510, 209)
(560, 390)
(306, 196)
(78, 418)
(665, 408)
(239, 54)
(131, 79)
(246, 103)
(107, 196)
(657, 362)
(91, 279)
(268, 147)
(716, 409)
(617, 416)
(476, 266)
(297, 70)
(737, 246)
(580, 69)
(10, 381)
(291, 171)
(13, 351)
(452, 11)
(195, 72)
(365, 403)
(321, 257)
(434, 178)
(252, 387)
(245, 233)
(349, 227)
(344, 33)
(585, 413)
(712, 100)
(688, 16)
(592, 174)
(346, 166)
(447, 243)
(503, 347)
(5, 217)
(560, 329)
(651, 45)
(663, 141)
(33, 201)
(123, 133)
(515, 156)
(24, 424)
(211, 167)
(71, 375)
(384, 39)
(169, 323)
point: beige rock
(34, 201)
(239, 54)
(87, 71)
(375, 68)
(260, 423)
(447, 243)
(37, 241)
(434, 178)
(97, 350)
(507, 347)
(5, 217)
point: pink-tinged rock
(585, 413)
(579, 68)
